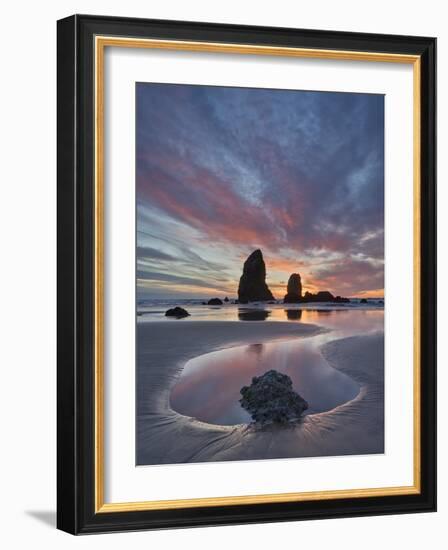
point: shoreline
(236, 312)
(166, 437)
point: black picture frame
(76, 512)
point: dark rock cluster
(271, 398)
(177, 312)
(253, 314)
(324, 296)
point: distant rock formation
(215, 302)
(363, 301)
(270, 398)
(321, 296)
(324, 296)
(226, 299)
(177, 312)
(294, 293)
(253, 287)
(341, 299)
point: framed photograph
(246, 274)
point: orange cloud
(378, 293)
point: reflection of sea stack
(294, 293)
(294, 314)
(253, 287)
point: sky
(223, 171)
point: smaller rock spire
(294, 291)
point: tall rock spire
(253, 287)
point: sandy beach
(166, 437)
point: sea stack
(294, 292)
(253, 287)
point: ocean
(154, 309)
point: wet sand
(166, 437)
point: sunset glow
(221, 172)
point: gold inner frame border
(100, 43)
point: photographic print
(260, 273)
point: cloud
(148, 253)
(221, 171)
(350, 276)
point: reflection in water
(293, 314)
(253, 314)
(272, 312)
(254, 348)
(346, 322)
(209, 387)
